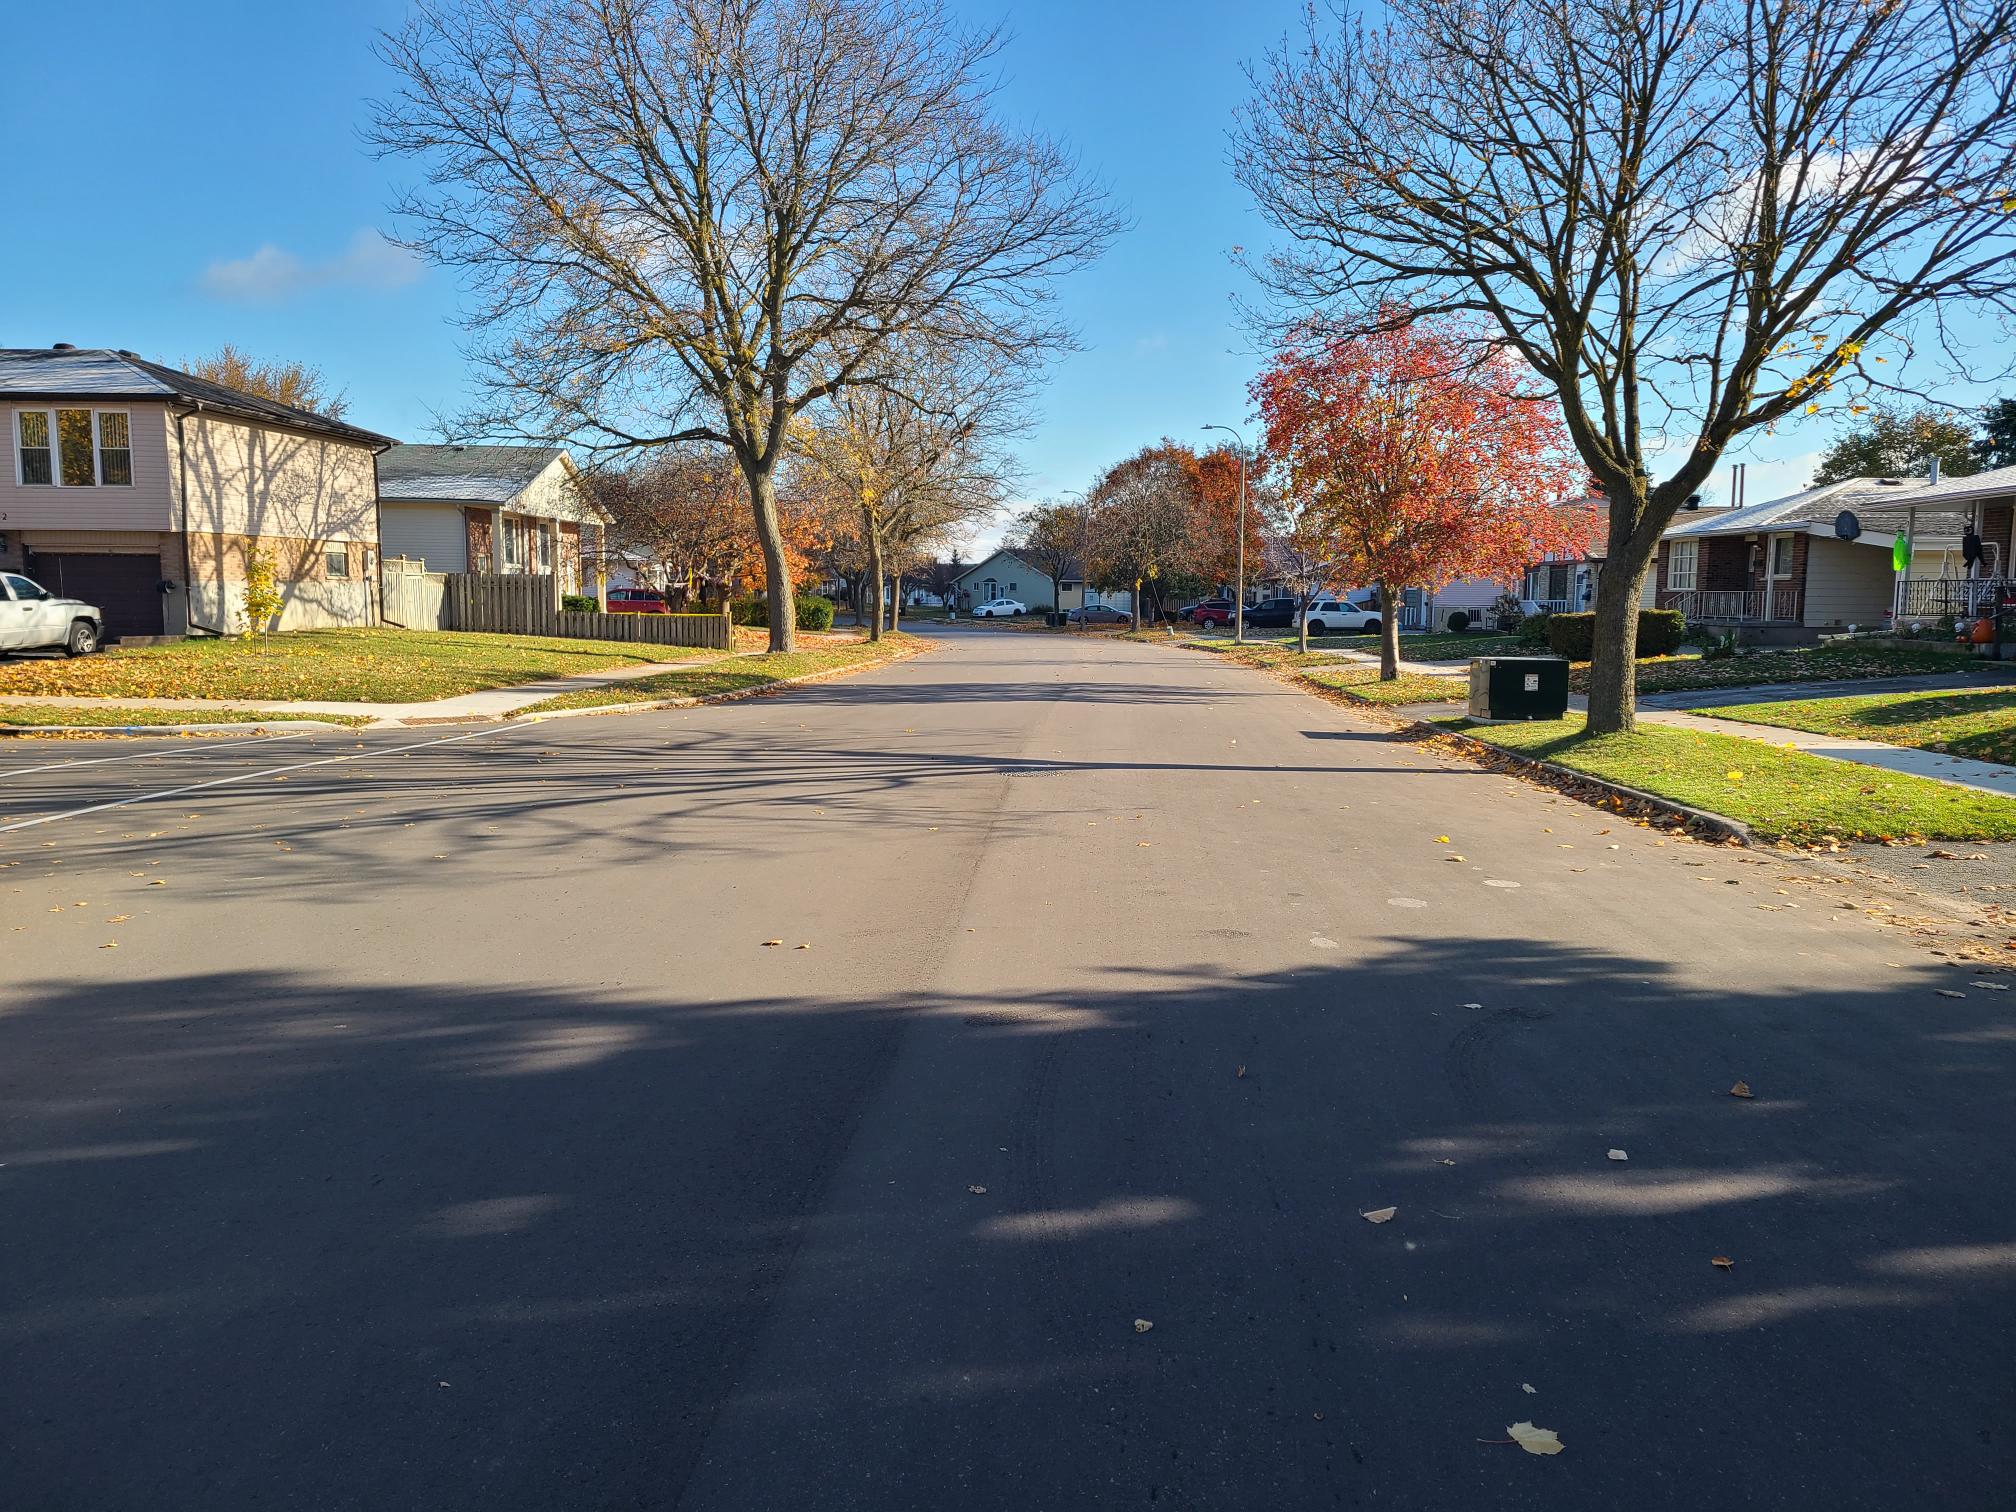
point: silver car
(32, 617)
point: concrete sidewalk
(484, 705)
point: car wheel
(1315, 627)
(82, 639)
(1015, 613)
(1372, 627)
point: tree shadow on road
(271, 1241)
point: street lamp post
(1239, 597)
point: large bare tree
(689, 220)
(1696, 219)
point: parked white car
(1000, 609)
(31, 617)
(1335, 616)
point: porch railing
(1934, 598)
(1778, 605)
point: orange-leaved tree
(1422, 463)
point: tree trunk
(1613, 674)
(895, 602)
(1134, 607)
(1389, 635)
(875, 594)
(1302, 623)
(762, 480)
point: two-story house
(149, 491)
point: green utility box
(1518, 687)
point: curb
(734, 696)
(239, 727)
(1717, 824)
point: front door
(1778, 559)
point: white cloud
(273, 273)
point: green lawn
(375, 666)
(732, 674)
(1408, 688)
(1981, 724)
(34, 715)
(1833, 663)
(1780, 794)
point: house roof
(990, 560)
(474, 474)
(1883, 506)
(101, 373)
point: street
(795, 1103)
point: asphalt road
(441, 1132)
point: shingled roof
(462, 474)
(63, 372)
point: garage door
(126, 588)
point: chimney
(63, 346)
(1931, 469)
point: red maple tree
(1424, 464)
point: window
(115, 449)
(25, 590)
(73, 448)
(514, 542)
(1682, 558)
(336, 558)
(1781, 556)
(32, 427)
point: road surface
(796, 1103)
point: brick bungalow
(492, 509)
(1820, 560)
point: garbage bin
(1053, 619)
(1518, 687)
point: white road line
(216, 782)
(181, 750)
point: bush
(1574, 635)
(1723, 647)
(579, 603)
(1506, 613)
(1459, 622)
(1532, 630)
(814, 612)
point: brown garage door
(126, 588)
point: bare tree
(679, 515)
(689, 220)
(921, 456)
(1695, 219)
(290, 382)
(1299, 547)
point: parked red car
(1212, 612)
(637, 601)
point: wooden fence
(525, 604)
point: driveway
(400, 1121)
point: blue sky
(205, 181)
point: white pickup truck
(32, 617)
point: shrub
(750, 611)
(1723, 647)
(1506, 613)
(1532, 630)
(1459, 622)
(814, 612)
(1574, 635)
(579, 603)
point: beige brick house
(147, 490)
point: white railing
(1777, 605)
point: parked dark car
(1273, 613)
(1100, 614)
(1216, 611)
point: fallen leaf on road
(1379, 1215)
(1142, 843)
(1535, 1440)
(1441, 839)
(1619, 1155)
(1948, 992)
(768, 943)
(109, 945)
(1239, 1073)
(806, 946)
(1741, 1089)
(1142, 1325)
(1990, 986)
(1722, 1262)
(1528, 1389)
(157, 882)
(1445, 1161)
(977, 1191)
(118, 918)
(1452, 858)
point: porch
(1780, 604)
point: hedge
(579, 603)
(814, 612)
(1660, 632)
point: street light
(1239, 598)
